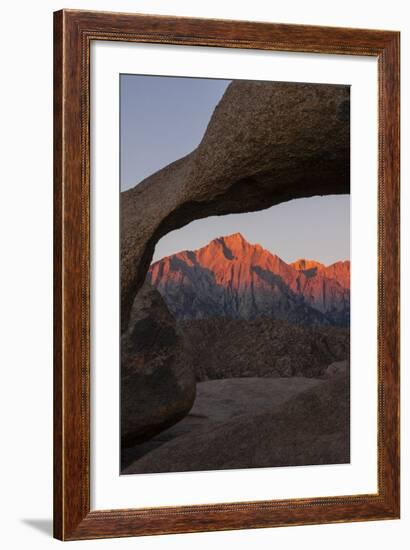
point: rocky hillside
(234, 279)
(231, 348)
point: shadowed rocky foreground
(164, 365)
(254, 422)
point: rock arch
(266, 143)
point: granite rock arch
(266, 143)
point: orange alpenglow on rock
(233, 278)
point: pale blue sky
(163, 119)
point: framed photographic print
(226, 335)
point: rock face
(219, 401)
(328, 289)
(226, 348)
(157, 380)
(294, 422)
(234, 279)
(339, 271)
(266, 143)
(336, 368)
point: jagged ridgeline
(231, 278)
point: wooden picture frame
(74, 32)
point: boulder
(157, 380)
(266, 143)
(338, 368)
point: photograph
(235, 324)
(205, 270)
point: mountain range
(232, 278)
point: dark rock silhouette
(157, 378)
(266, 143)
